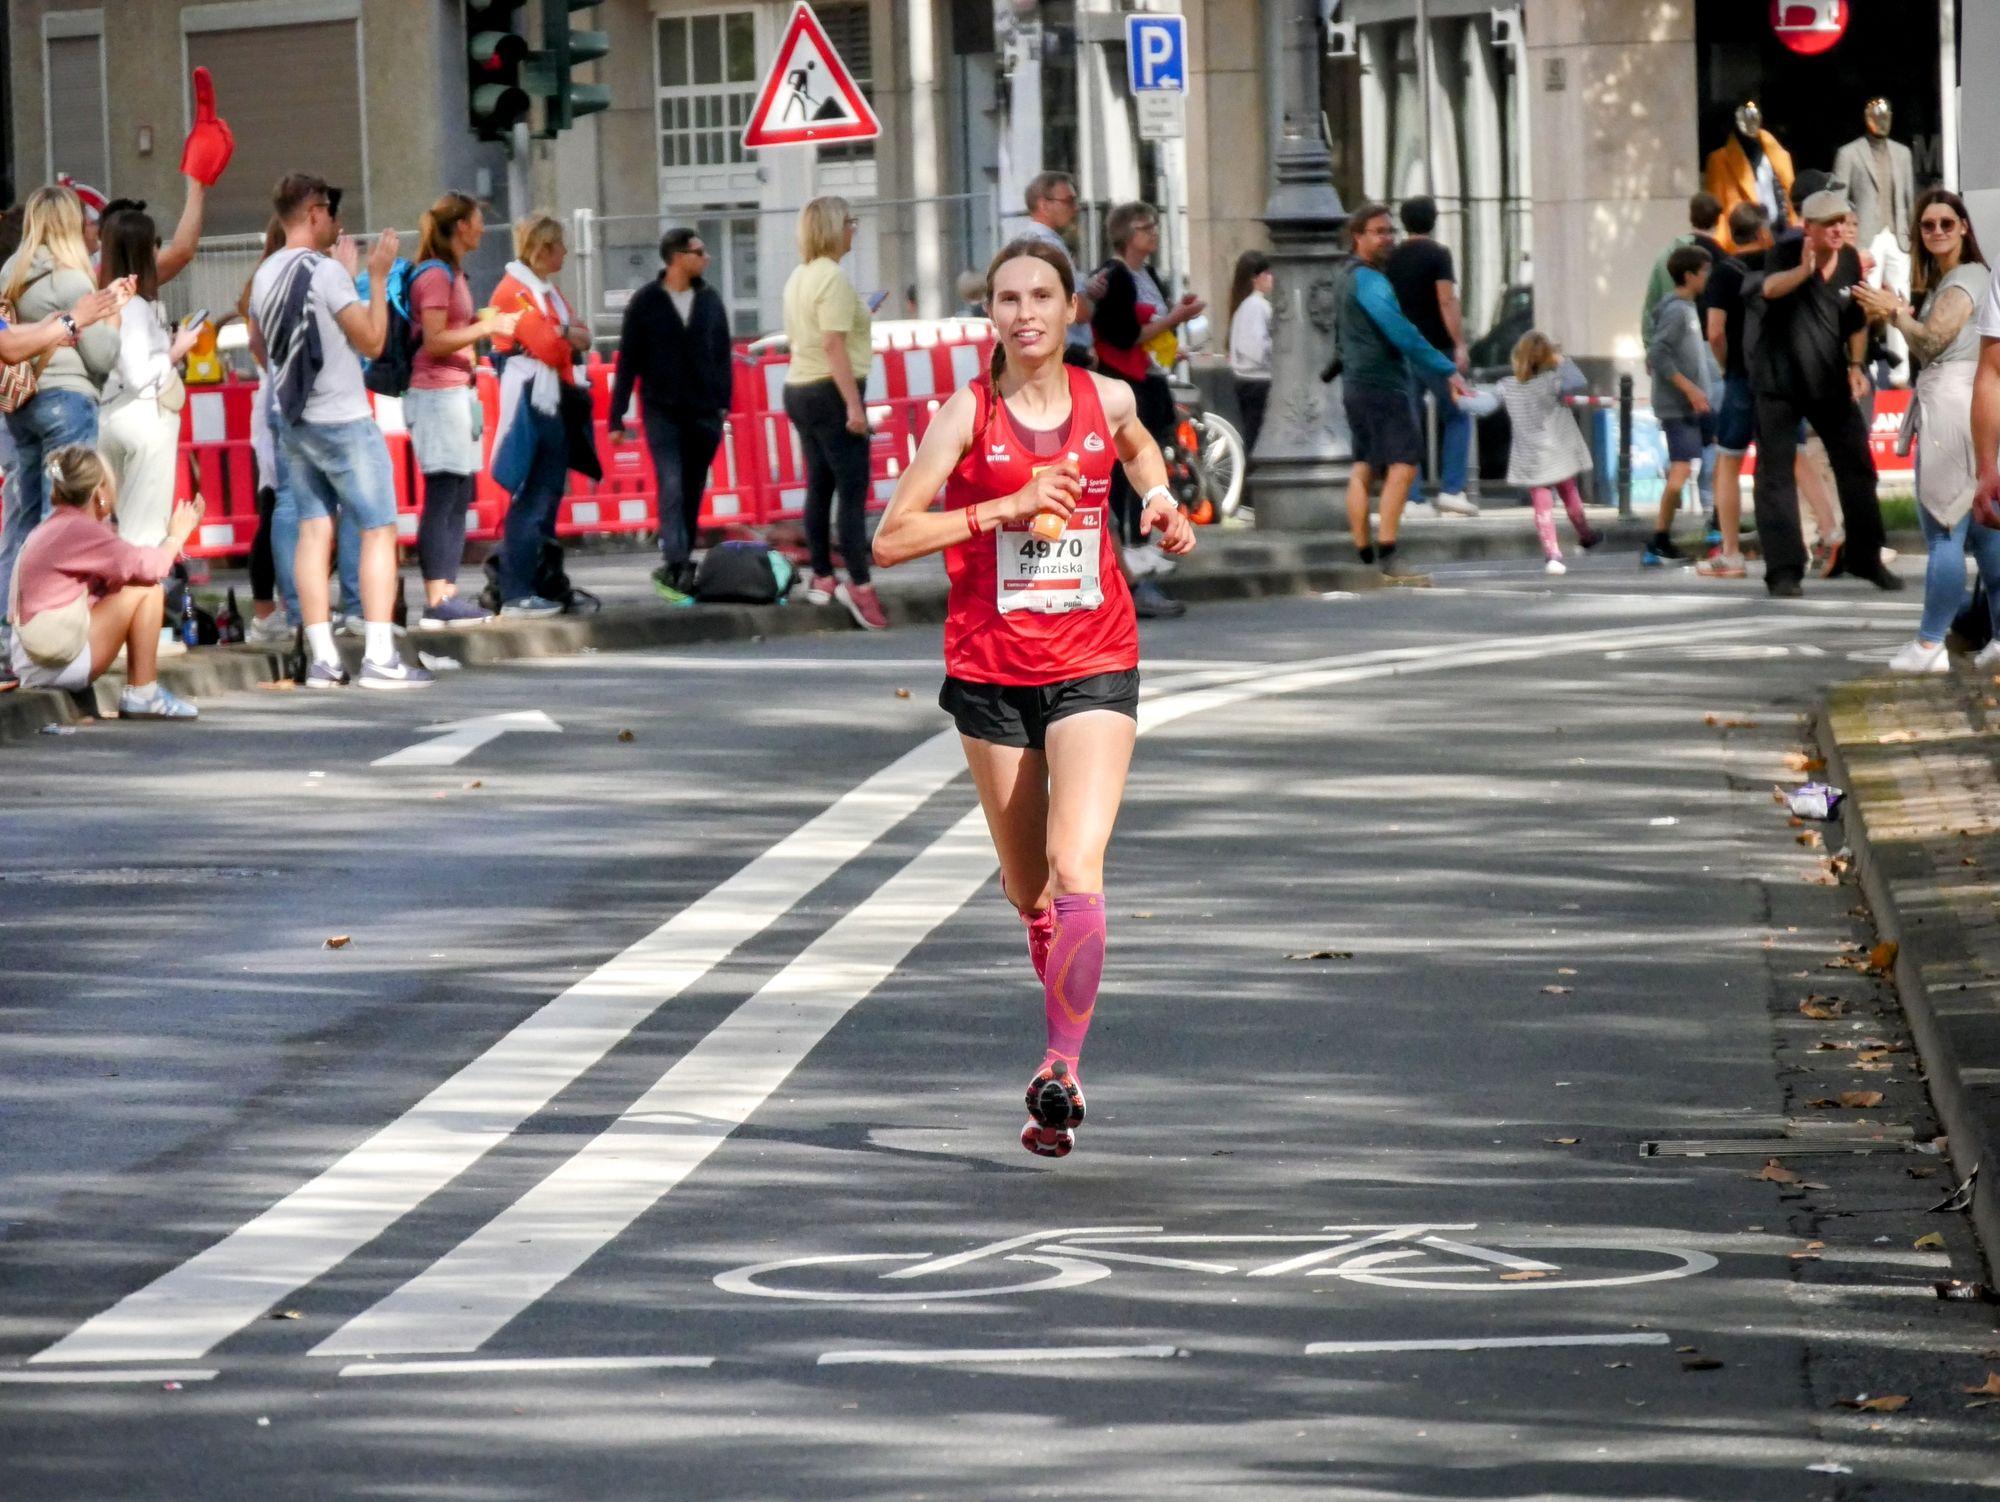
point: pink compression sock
(1075, 967)
(1041, 927)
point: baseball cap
(93, 198)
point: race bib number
(1051, 577)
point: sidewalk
(1231, 563)
(1920, 760)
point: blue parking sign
(1156, 52)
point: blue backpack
(388, 374)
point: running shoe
(1151, 603)
(1419, 511)
(1555, 566)
(1589, 540)
(1832, 559)
(1456, 503)
(1916, 657)
(667, 586)
(452, 612)
(325, 675)
(1986, 659)
(153, 703)
(393, 674)
(530, 607)
(1055, 1099)
(862, 605)
(273, 630)
(820, 588)
(1721, 566)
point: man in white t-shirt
(310, 329)
(1052, 203)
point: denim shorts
(1687, 437)
(1736, 422)
(336, 465)
(445, 423)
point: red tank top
(983, 643)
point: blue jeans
(1454, 435)
(1944, 572)
(531, 515)
(285, 543)
(48, 422)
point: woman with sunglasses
(1950, 277)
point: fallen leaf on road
(1798, 761)
(626, 735)
(1323, 954)
(1883, 955)
(475, 783)
(1887, 1403)
(1526, 1275)
(338, 941)
(1142, 917)
(1626, 1366)
(1557, 990)
(278, 686)
(294, 1314)
(1990, 1388)
(1895, 737)
(902, 693)
(1700, 1364)
(1860, 1100)
(1776, 1172)
(1921, 1173)
(1930, 1241)
(1564, 970)
(1822, 1008)
(1719, 722)
(1565, 1141)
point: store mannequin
(1880, 177)
(1751, 167)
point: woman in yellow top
(827, 325)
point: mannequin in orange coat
(1737, 171)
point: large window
(265, 105)
(708, 83)
(847, 27)
(731, 239)
(73, 78)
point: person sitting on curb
(81, 593)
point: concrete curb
(1232, 565)
(1936, 957)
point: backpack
(552, 582)
(388, 374)
(1343, 273)
(743, 573)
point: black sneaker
(1152, 604)
(1784, 589)
(1883, 579)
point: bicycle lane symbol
(1421, 1256)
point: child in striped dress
(1548, 451)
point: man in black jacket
(675, 344)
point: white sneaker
(1455, 503)
(1915, 657)
(269, 630)
(1555, 566)
(1141, 562)
(171, 644)
(1889, 555)
(1420, 510)
(1988, 656)
(348, 625)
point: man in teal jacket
(1378, 349)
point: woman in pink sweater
(81, 593)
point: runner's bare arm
(910, 529)
(1145, 467)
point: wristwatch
(70, 330)
(1158, 492)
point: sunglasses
(331, 203)
(1938, 226)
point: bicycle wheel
(1222, 456)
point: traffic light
(562, 51)
(495, 52)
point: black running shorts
(1010, 715)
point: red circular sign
(1809, 27)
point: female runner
(1041, 646)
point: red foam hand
(210, 143)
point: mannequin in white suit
(1881, 185)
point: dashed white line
(104, 1374)
(1484, 1343)
(525, 1364)
(1063, 1354)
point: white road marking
(465, 1297)
(104, 1374)
(188, 1310)
(1002, 1353)
(460, 738)
(1484, 1343)
(525, 1364)
(183, 1314)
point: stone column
(1304, 453)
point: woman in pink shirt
(81, 593)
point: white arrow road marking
(465, 1297)
(188, 1310)
(461, 738)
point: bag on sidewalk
(743, 573)
(1973, 625)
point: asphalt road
(654, 1134)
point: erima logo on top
(1092, 443)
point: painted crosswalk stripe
(525, 1364)
(1061, 1354)
(1484, 1343)
(465, 1297)
(187, 1311)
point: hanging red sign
(1809, 27)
